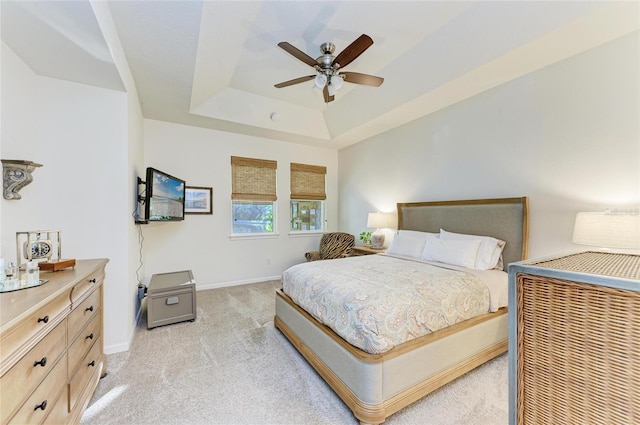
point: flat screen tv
(164, 196)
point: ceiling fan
(329, 77)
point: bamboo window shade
(253, 179)
(307, 182)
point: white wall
(79, 134)
(90, 142)
(17, 129)
(567, 136)
(128, 291)
(202, 243)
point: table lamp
(608, 229)
(379, 221)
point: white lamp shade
(607, 230)
(320, 81)
(381, 220)
(337, 81)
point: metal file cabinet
(171, 298)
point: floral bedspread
(376, 302)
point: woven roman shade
(253, 179)
(307, 182)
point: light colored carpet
(231, 366)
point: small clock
(39, 249)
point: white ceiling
(214, 63)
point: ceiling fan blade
(364, 79)
(295, 81)
(325, 92)
(298, 54)
(352, 51)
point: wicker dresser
(574, 340)
(51, 346)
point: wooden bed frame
(374, 386)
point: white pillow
(418, 234)
(407, 245)
(489, 252)
(453, 251)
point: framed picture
(198, 200)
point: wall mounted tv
(164, 200)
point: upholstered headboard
(502, 218)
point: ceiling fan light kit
(321, 81)
(328, 78)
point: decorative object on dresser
(379, 221)
(40, 245)
(16, 174)
(171, 298)
(51, 346)
(574, 351)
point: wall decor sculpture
(16, 174)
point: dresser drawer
(86, 285)
(83, 313)
(59, 413)
(44, 396)
(17, 342)
(90, 365)
(30, 371)
(84, 341)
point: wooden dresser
(574, 340)
(51, 346)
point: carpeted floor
(231, 366)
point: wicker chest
(574, 340)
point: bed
(377, 378)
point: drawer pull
(42, 405)
(44, 319)
(92, 363)
(42, 362)
(89, 308)
(90, 336)
(92, 280)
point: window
(252, 217)
(253, 194)
(306, 215)
(307, 197)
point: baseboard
(119, 348)
(116, 348)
